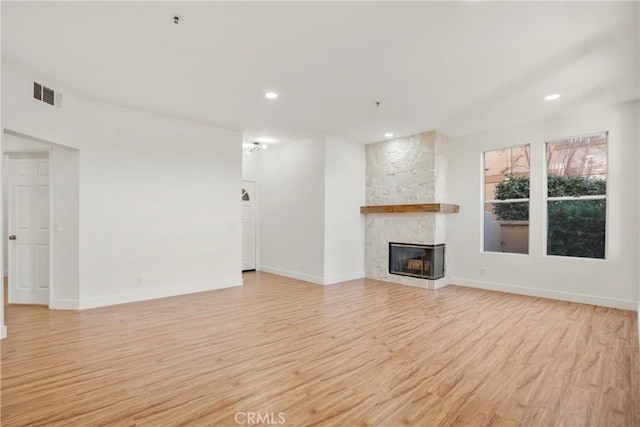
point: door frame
(64, 170)
(7, 157)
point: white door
(248, 225)
(29, 231)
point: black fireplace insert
(423, 261)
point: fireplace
(423, 261)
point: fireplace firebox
(423, 261)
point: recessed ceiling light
(552, 97)
(271, 95)
(388, 134)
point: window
(506, 200)
(577, 196)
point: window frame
(546, 199)
(484, 201)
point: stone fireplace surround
(407, 170)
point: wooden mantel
(424, 208)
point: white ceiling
(457, 67)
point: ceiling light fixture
(552, 97)
(388, 134)
(257, 147)
(271, 95)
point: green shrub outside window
(574, 227)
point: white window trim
(591, 197)
(546, 199)
(507, 201)
(484, 201)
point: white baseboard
(293, 274)
(547, 293)
(3, 332)
(149, 294)
(64, 304)
(343, 277)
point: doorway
(248, 226)
(42, 180)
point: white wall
(611, 282)
(65, 236)
(159, 201)
(16, 144)
(159, 198)
(22, 113)
(344, 225)
(250, 165)
(291, 187)
(310, 196)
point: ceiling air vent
(37, 91)
(46, 95)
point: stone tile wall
(406, 170)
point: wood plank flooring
(359, 353)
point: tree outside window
(577, 196)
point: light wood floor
(359, 353)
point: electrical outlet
(482, 271)
(138, 281)
(302, 266)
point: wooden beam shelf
(418, 208)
